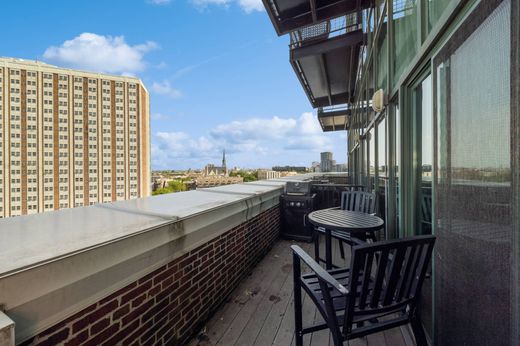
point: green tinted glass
(405, 34)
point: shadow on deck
(260, 309)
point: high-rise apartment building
(326, 161)
(70, 138)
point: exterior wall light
(379, 101)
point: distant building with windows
(300, 169)
(315, 167)
(326, 161)
(341, 167)
(70, 138)
(264, 174)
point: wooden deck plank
(224, 317)
(309, 311)
(393, 337)
(323, 336)
(270, 297)
(376, 339)
(285, 331)
(408, 336)
(269, 329)
(257, 293)
(261, 310)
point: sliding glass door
(473, 213)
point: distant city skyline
(222, 82)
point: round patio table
(343, 221)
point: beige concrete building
(264, 174)
(70, 138)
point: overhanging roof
(289, 15)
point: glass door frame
(409, 146)
(515, 167)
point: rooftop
(43, 66)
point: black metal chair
(379, 291)
(364, 202)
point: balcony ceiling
(334, 120)
(327, 68)
(289, 15)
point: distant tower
(224, 162)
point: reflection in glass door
(423, 134)
(474, 189)
(425, 161)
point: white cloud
(251, 5)
(248, 6)
(165, 88)
(255, 142)
(202, 4)
(93, 52)
(160, 116)
(159, 2)
(254, 129)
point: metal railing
(324, 30)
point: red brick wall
(171, 303)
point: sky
(218, 75)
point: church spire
(224, 158)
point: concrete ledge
(6, 330)
(54, 264)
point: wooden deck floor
(260, 310)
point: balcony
(336, 118)
(289, 15)
(323, 54)
(260, 309)
(152, 270)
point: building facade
(70, 138)
(264, 174)
(429, 95)
(326, 161)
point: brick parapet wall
(168, 305)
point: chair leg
(341, 249)
(336, 339)
(317, 247)
(418, 331)
(298, 320)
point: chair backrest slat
(407, 272)
(380, 276)
(400, 267)
(364, 202)
(367, 273)
(413, 273)
(393, 276)
(421, 270)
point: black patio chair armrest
(357, 241)
(318, 270)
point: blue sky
(217, 74)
